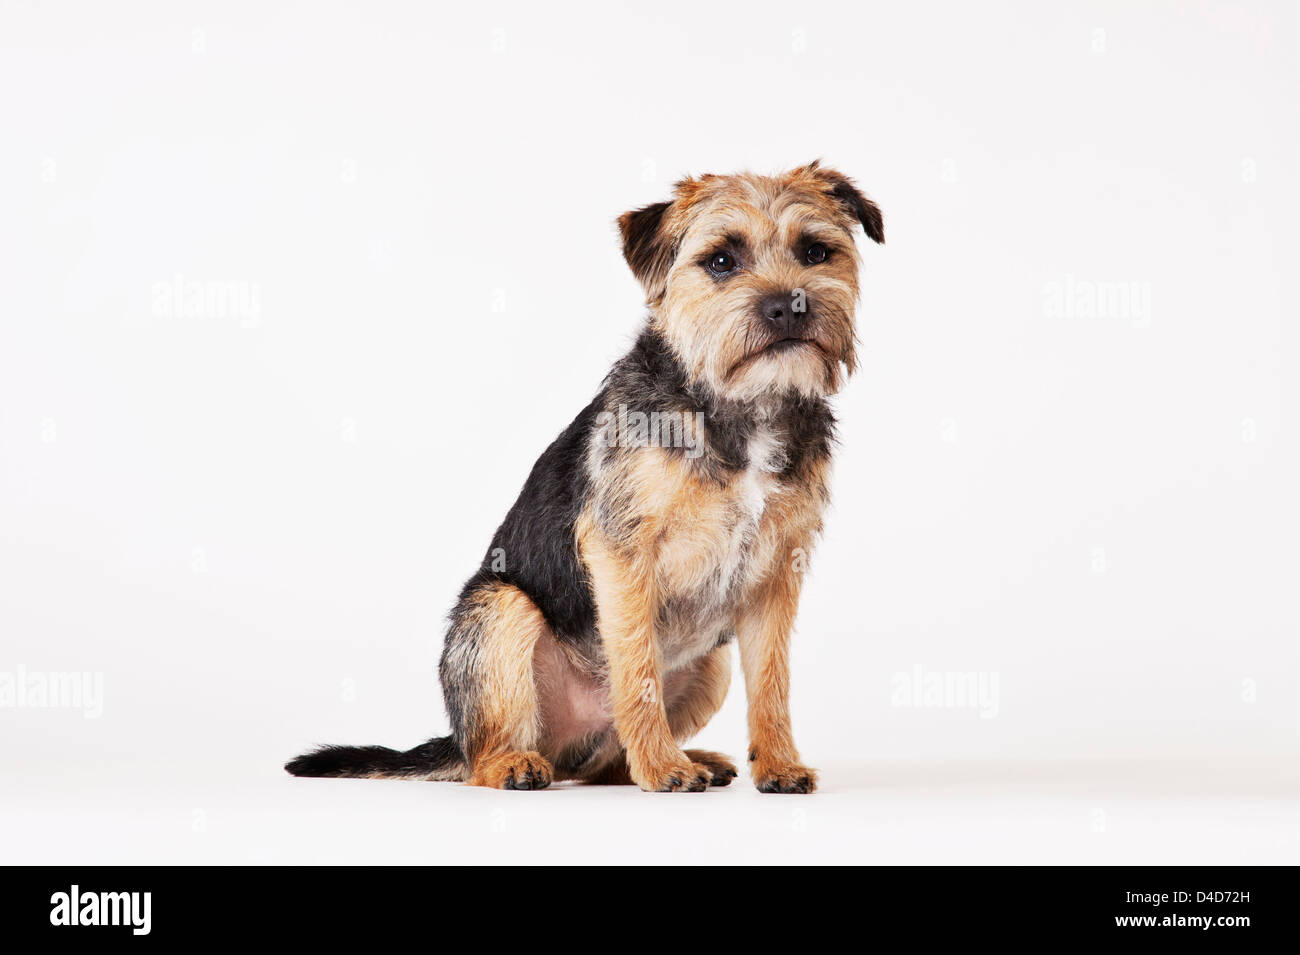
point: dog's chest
(709, 552)
(750, 493)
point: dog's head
(753, 280)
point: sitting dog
(671, 518)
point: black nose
(779, 310)
(775, 307)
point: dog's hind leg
(487, 680)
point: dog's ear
(866, 211)
(857, 205)
(648, 247)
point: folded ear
(858, 205)
(647, 247)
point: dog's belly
(572, 695)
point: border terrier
(672, 518)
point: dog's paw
(681, 775)
(783, 777)
(516, 770)
(721, 770)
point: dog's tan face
(753, 280)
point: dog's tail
(439, 759)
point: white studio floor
(1077, 812)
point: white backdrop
(294, 296)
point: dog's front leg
(626, 608)
(763, 632)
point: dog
(673, 517)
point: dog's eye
(721, 263)
(816, 254)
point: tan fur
(507, 715)
(709, 325)
(763, 629)
(624, 585)
(510, 770)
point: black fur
(536, 540)
(438, 754)
(862, 208)
(647, 248)
(651, 378)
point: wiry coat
(595, 636)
